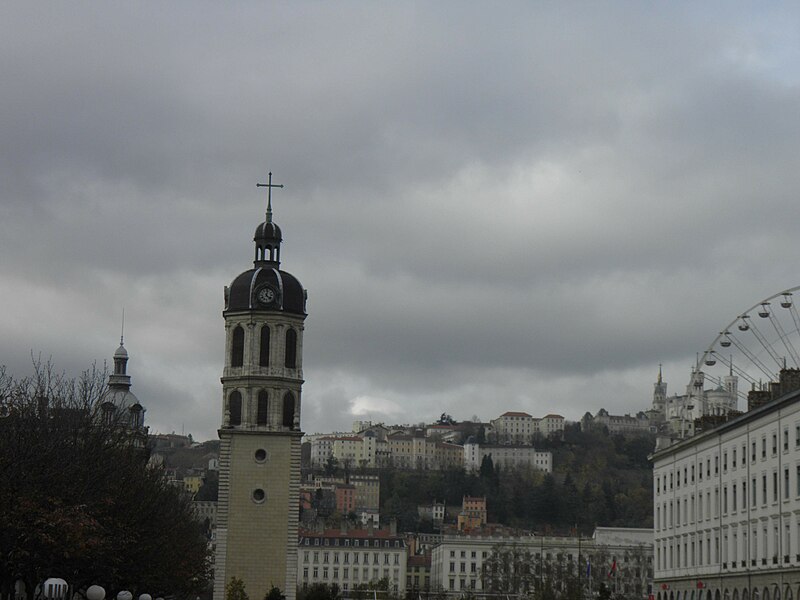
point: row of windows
(235, 408)
(346, 558)
(661, 482)
(734, 498)
(356, 542)
(345, 572)
(237, 348)
(735, 549)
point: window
(263, 355)
(786, 484)
(764, 489)
(774, 444)
(261, 413)
(786, 439)
(774, 487)
(235, 408)
(754, 452)
(763, 447)
(237, 347)
(288, 410)
(797, 475)
(291, 349)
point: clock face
(266, 295)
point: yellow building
(192, 483)
(259, 464)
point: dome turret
(266, 287)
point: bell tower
(259, 478)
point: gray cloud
(522, 208)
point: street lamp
(54, 588)
(95, 592)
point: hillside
(597, 480)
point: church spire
(120, 378)
(268, 235)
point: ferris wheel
(756, 345)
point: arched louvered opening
(263, 405)
(237, 347)
(263, 355)
(288, 410)
(291, 349)
(235, 408)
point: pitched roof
(515, 414)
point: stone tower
(259, 477)
(660, 393)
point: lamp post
(54, 588)
(95, 592)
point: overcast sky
(516, 206)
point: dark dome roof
(268, 231)
(291, 297)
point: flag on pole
(588, 569)
(613, 568)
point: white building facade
(459, 560)
(727, 509)
(352, 558)
(507, 456)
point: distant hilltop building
(521, 428)
(678, 413)
(506, 456)
(639, 424)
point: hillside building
(507, 456)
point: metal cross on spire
(269, 185)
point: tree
(234, 590)
(319, 591)
(331, 466)
(79, 500)
(275, 593)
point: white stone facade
(457, 561)
(507, 456)
(351, 558)
(727, 508)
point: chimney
(370, 527)
(789, 381)
(393, 527)
(756, 398)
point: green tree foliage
(380, 589)
(275, 593)
(234, 590)
(319, 591)
(78, 499)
